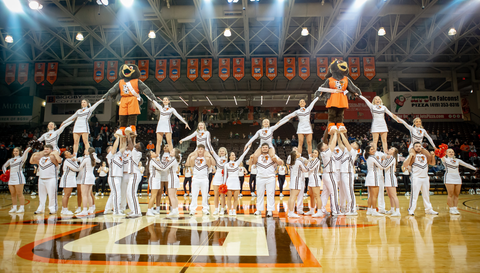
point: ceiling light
(9, 39)
(261, 100)
(35, 5)
(235, 1)
(229, 1)
(235, 100)
(127, 3)
(287, 100)
(381, 31)
(152, 34)
(79, 36)
(227, 32)
(13, 5)
(209, 100)
(184, 101)
(452, 31)
(102, 2)
(304, 31)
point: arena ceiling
(417, 53)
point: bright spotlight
(102, 2)
(35, 5)
(227, 32)
(304, 31)
(381, 31)
(13, 5)
(229, 1)
(9, 39)
(235, 1)
(452, 31)
(152, 34)
(127, 3)
(79, 36)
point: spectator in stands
(30, 135)
(255, 123)
(465, 148)
(25, 134)
(363, 167)
(104, 128)
(11, 146)
(215, 142)
(472, 156)
(62, 149)
(250, 135)
(239, 122)
(94, 119)
(472, 147)
(287, 141)
(231, 135)
(96, 129)
(279, 141)
(433, 136)
(215, 112)
(351, 139)
(226, 112)
(150, 146)
(97, 144)
(237, 136)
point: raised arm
(390, 114)
(278, 124)
(129, 143)
(333, 141)
(369, 104)
(430, 139)
(409, 127)
(62, 127)
(95, 106)
(43, 137)
(112, 92)
(70, 119)
(25, 155)
(312, 104)
(181, 118)
(250, 142)
(340, 142)
(189, 137)
(240, 159)
(115, 146)
(288, 117)
(345, 142)
(146, 91)
(466, 165)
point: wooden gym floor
(246, 243)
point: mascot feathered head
(129, 71)
(337, 69)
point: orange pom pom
(223, 189)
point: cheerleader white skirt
(218, 178)
(154, 183)
(68, 181)
(373, 180)
(304, 129)
(163, 176)
(314, 181)
(391, 181)
(81, 126)
(16, 179)
(164, 126)
(451, 178)
(379, 126)
(233, 184)
(89, 179)
(297, 183)
(175, 184)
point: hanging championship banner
(322, 67)
(143, 66)
(10, 73)
(98, 71)
(289, 67)
(337, 58)
(257, 68)
(23, 73)
(238, 68)
(206, 69)
(369, 67)
(192, 69)
(112, 68)
(304, 67)
(271, 67)
(354, 67)
(161, 70)
(52, 72)
(224, 68)
(39, 75)
(174, 69)
(129, 61)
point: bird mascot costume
(129, 87)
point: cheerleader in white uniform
(266, 135)
(304, 128)
(115, 173)
(68, 181)
(282, 171)
(136, 176)
(297, 181)
(164, 127)
(17, 179)
(221, 160)
(81, 127)
(452, 179)
(391, 184)
(203, 137)
(231, 180)
(379, 126)
(372, 181)
(200, 179)
(241, 175)
(347, 172)
(417, 133)
(80, 179)
(314, 183)
(153, 182)
(52, 136)
(87, 181)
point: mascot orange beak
(127, 70)
(342, 65)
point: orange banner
(271, 68)
(192, 69)
(10, 70)
(39, 75)
(129, 61)
(174, 69)
(206, 69)
(238, 68)
(257, 68)
(52, 72)
(337, 58)
(143, 65)
(112, 71)
(304, 67)
(224, 68)
(354, 67)
(161, 70)
(322, 67)
(23, 73)
(369, 67)
(98, 71)
(289, 67)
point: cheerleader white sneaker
(120, 214)
(369, 211)
(192, 213)
(206, 212)
(234, 213)
(338, 214)
(293, 215)
(310, 212)
(13, 210)
(39, 212)
(108, 211)
(215, 212)
(173, 213)
(150, 213)
(395, 214)
(375, 213)
(91, 210)
(269, 214)
(454, 211)
(78, 210)
(82, 213)
(300, 212)
(222, 212)
(257, 213)
(155, 212)
(22, 210)
(281, 194)
(67, 212)
(382, 211)
(240, 195)
(431, 212)
(185, 195)
(318, 214)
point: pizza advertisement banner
(271, 68)
(322, 67)
(206, 68)
(238, 68)
(143, 65)
(289, 67)
(354, 67)
(161, 70)
(224, 68)
(39, 74)
(369, 67)
(129, 61)
(174, 69)
(257, 68)
(10, 70)
(98, 71)
(427, 105)
(52, 72)
(304, 67)
(23, 73)
(112, 70)
(192, 69)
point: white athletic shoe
(192, 213)
(222, 212)
(254, 195)
(33, 193)
(97, 194)
(13, 210)
(269, 214)
(173, 213)
(91, 210)
(258, 213)
(22, 210)
(215, 212)
(395, 214)
(318, 214)
(310, 212)
(78, 210)
(338, 214)
(185, 195)
(120, 214)
(206, 212)
(155, 212)
(234, 212)
(39, 212)
(102, 194)
(281, 194)
(240, 195)
(150, 213)
(83, 213)
(67, 212)
(108, 211)
(431, 212)
(382, 211)
(293, 215)
(300, 212)
(389, 212)
(375, 213)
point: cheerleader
(187, 180)
(80, 180)
(304, 128)
(452, 179)
(391, 184)
(52, 136)
(282, 171)
(164, 127)
(114, 159)
(417, 133)
(379, 126)
(347, 172)
(314, 183)
(241, 176)
(253, 177)
(221, 160)
(297, 181)
(329, 183)
(230, 178)
(68, 181)
(374, 163)
(203, 137)
(165, 157)
(266, 136)
(136, 150)
(17, 179)
(81, 127)
(200, 178)
(153, 182)
(88, 180)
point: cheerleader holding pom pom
(16, 180)
(417, 133)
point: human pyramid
(330, 165)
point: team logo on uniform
(379, 107)
(201, 134)
(454, 161)
(421, 158)
(303, 109)
(337, 151)
(265, 159)
(223, 161)
(166, 109)
(45, 161)
(265, 132)
(125, 89)
(199, 161)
